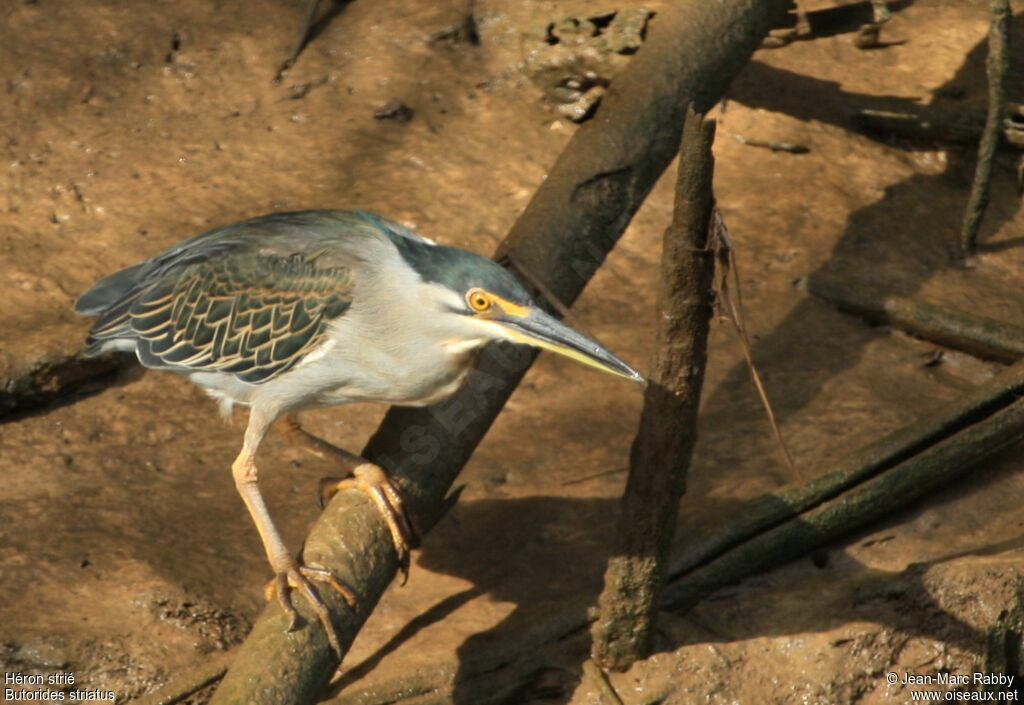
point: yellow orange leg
(288, 573)
(368, 478)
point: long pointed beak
(544, 331)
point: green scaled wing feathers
(253, 315)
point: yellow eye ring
(478, 300)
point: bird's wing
(253, 315)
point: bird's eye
(478, 300)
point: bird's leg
(366, 477)
(289, 574)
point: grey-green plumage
(251, 299)
(251, 315)
(315, 308)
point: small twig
(790, 147)
(594, 476)
(733, 311)
(605, 690)
(300, 39)
(996, 67)
(937, 124)
(188, 683)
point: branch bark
(661, 452)
(996, 66)
(928, 123)
(562, 237)
(984, 337)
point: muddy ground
(125, 554)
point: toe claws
(329, 487)
(297, 577)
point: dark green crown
(457, 269)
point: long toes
(329, 486)
(375, 483)
(323, 614)
(325, 576)
(391, 497)
(284, 598)
(396, 517)
(402, 533)
(295, 578)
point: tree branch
(996, 67)
(661, 452)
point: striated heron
(293, 311)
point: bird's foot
(372, 480)
(367, 478)
(297, 577)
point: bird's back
(248, 299)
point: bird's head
(494, 301)
(491, 304)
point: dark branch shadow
(435, 614)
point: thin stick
(661, 452)
(773, 509)
(300, 39)
(927, 123)
(982, 337)
(734, 312)
(606, 694)
(995, 67)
